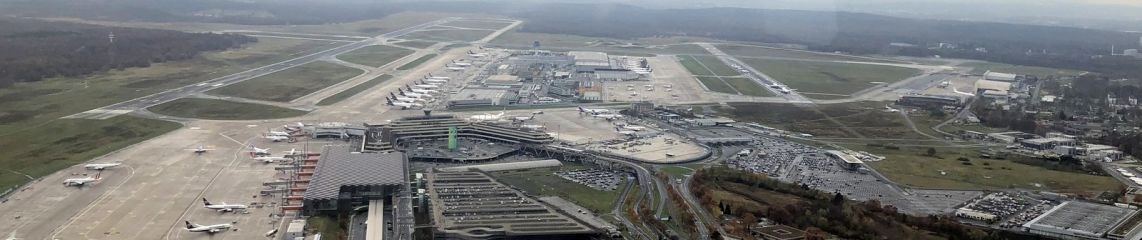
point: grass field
(543, 182)
(417, 62)
(375, 56)
(982, 67)
(291, 35)
(216, 109)
(62, 143)
(716, 66)
(865, 118)
(833, 78)
(353, 91)
(747, 86)
(738, 50)
(909, 166)
(694, 66)
(415, 44)
(676, 171)
(494, 25)
(32, 132)
(449, 35)
(28, 105)
(716, 84)
(290, 84)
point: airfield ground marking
(203, 192)
(92, 205)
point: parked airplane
(423, 91)
(79, 182)
(200, 149)
(426, 86)
(406, 105)
(276, 138)
(259, 151)
(594, 110)
(487, 117)
(278, 133)
(101, 166)
(608, 116)
(416, 95)
(269, 159)
(437, 78)
(223, 207)
(431, 80)
(455, 69)
(294, 128)
(212, 229)
(408, 99)
(461, 64)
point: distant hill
(33, 50)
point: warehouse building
(590, 61)
(1078, 220)
(345, 179)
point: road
(172, 94)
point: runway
(181, 92)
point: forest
(35, 50)
(805, 208)
(857, 33)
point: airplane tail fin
(206, 202)
(190, 225)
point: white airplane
(294, 128)
(423, 91)
(278, 133)
(487, 117)
(409, 100)
(269, 159)
(426, 86)
(212, 229)
(438, 78)
(455, 69)
(608, 116)
(101, 166)
(628, 133)
(275, 138)
(223, 207)
(259, 151)
(594, 111)
(417, 95)
(461, 64)
(435, 80)
(200, 149)
(79, 182)
(406, 105)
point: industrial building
(590, 61)
(470, 205)
(1002, 77)
(479, 97)
(847, 160)
(1079, 220)
(345, 178)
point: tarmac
(161, 182)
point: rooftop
(1080, 218)
(340, 166)
(506, 166)
(998, 76)
(844, 156)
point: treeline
(33, 50)
(831, 213)
(1048, 46)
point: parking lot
(603, 180)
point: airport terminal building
(346, 178)
(408, 133)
